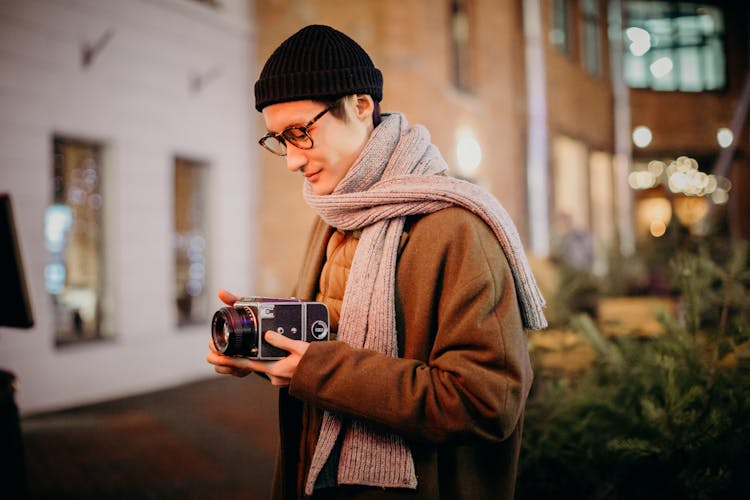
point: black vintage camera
(238, 330)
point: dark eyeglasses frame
(285, 135)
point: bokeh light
(640, 41)
(725, 137)
(468, 153)
(642, 136)
(661, 67)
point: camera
(238, 330)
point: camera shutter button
(319, 329)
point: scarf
(398, 173)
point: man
(422, 393)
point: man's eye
(295, 134)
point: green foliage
(665, 417)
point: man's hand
(279, 372)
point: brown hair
(337, 108)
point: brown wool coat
(457, 392)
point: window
(601, 192)
(190, 239)
(592, 38)
(461, 51)
(571, 180)
(561, 33)
(674, 46)
(73, 235)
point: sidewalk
(205, 440)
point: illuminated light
(641, 180)
(198, 243)
(90, 179)
(671, 169)
(690, 210)
(96, 201)
(76, 196)
(688, 163)
(640, 41)
(658, 209)
(642, 136)
(725, 137)
(657, 228)
(468, 153)
(678, 182)
(661, 67)
(653, 215)
(54, 277)
(646, 180)
(633, 180)
(706, 20)
(712, 184)
(701, 181)
(194, 287)
(57, 222)
(656, 168)
(720, 196)
(197, 271)
(683, 177)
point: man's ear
(363, 107)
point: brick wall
(410, 43)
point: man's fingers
(278, 372)
(226, 297)
(282, 342)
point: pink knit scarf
(398, 173)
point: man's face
(336, 142)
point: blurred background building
(129, 147)
(127, 150)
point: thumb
(278, 340)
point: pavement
(210, 439)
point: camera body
(238, 330)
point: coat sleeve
(464, 371)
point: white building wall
(136, 98)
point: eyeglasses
(299, 137)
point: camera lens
(222, 334)
(234, 331)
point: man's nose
(295, 158)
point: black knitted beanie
(317, 62)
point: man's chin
(318, 187)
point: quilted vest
(335, 273)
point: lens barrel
(234, 331)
